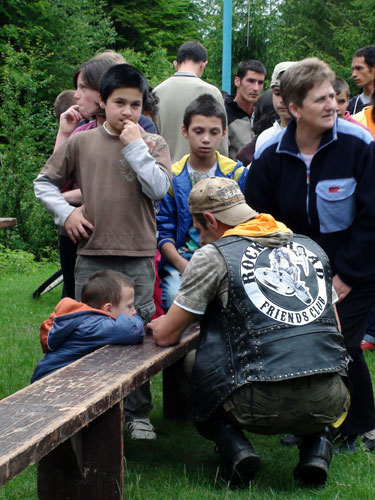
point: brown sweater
(123, 216)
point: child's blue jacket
(75, 329)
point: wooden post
(90, 465)
(175, 392)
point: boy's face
(204, 135)
(342, 101)
(126, 304)
(279, 105)
(123, 104)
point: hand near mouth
(130, 133)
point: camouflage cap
(221, 197)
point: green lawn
(179, 465)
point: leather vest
(279, 322)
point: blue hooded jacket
(76, 329)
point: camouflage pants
(299, 406)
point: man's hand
(168, 329)
(131, 132)
(342, 289)
(76, 225)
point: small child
(341, 89)
(204, 126)
(106, 315)
(63, 102)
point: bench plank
(38, 418)
(7, 221)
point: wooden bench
(71, 422)
(7, 221)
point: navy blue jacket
(335, 206)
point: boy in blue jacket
(106, 315)
(204, 126)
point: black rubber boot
(238, 461)
(315, 455)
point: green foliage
(253, 22)
(156, 66)
(19, 261)
(330, 29)
(41, 43)
(69, 31)
(147, 25)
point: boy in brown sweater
(121, 170)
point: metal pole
(227, 46)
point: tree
(146, 25)
(330, 29)
(41, 43)
(252, 23)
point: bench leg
(175, 392)
(90, 465)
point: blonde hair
(111, 54)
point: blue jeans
(171, 283)
(370, 332)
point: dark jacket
(355, 105)
(334, 205)
(279, 323)
(240, 126)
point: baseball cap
(223, 198)
(278, 70)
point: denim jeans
(171, 283)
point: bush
(19, 261)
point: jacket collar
(287, 141)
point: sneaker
(368, 444)
(367, 346)
(141, 428)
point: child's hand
(76, 225)
(69, 120)
(131, 132)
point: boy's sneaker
(141, 428)
(368, 444)
(367, 346)
(368, 441)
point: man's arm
(167, 330)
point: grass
(179, 465)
